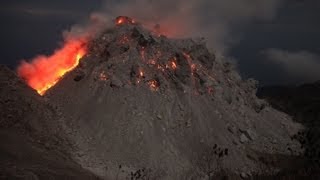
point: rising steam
(217, 20)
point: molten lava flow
(45, 71)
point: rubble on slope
(144, 101)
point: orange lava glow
(120, 21)
(141, 73)
(187, 56)
(172, 64)
(193, 67)
(160, 68)
(124, 20)
(189, 60)
(103, 76)
(152, 62)
(154, 85)
(143, 54)
(168, 27)
(43, 72)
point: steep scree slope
(32, 143)
(142, 105)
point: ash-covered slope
(142, 105)
(32, 146)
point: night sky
(281, 50)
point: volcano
(143, 106)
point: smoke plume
(217, 20)
(302, 65)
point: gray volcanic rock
(147, 106)
(32, 144)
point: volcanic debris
(164, 108)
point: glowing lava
(172, 64)
(154, 85)
(141, 73)
(103, 76)
(143, 54)
(43, 72)
(124, 20)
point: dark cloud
(41, 12)
(31, 9)
(301, 66)
(294, 29)
(32, 27)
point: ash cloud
(303, 66)
(218, 21)
(89, 28)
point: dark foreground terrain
(142, 106)
(31, 145)
(303, 104)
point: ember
(173, 64)
(103, 76)
(193, 67)
(154, 85)
(141, 74)
(143, 54)
(124, 20)
(152, 62)
(160, 67)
